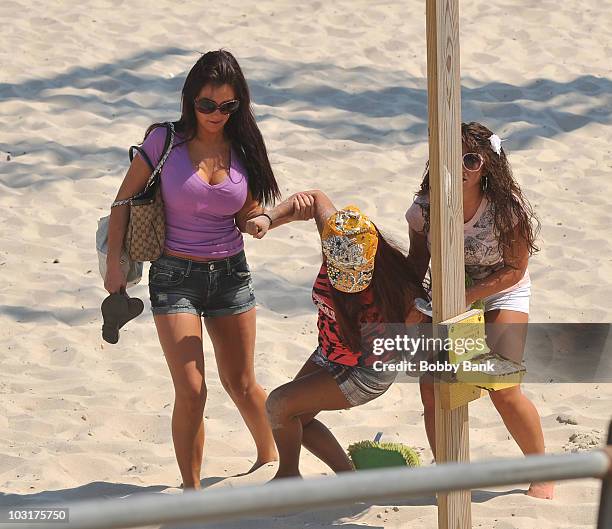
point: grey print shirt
(482, 254)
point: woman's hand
(300, 206)
(470, 296)
(115, 280)
(419, 252)
(258, 226)
(303, 206)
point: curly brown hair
(499, 187)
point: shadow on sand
(359, 112)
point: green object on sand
(374, 454)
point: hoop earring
(485, 183)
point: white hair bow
(496, 142)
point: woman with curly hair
(500, 229)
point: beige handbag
(146, 230)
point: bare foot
(542, 490)
(195, 487)
(261, 462)
(258, 464)
(281, 476)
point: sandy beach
(340, 94)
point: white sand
(340, 95)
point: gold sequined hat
(349, 242)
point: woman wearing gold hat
(363, 279)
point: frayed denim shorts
(215, 288)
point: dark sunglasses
(208, 106)
(472, 161)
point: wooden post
(446, 225)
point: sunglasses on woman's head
(208, 106)
(472, 161)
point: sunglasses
(208, 106)
(472, 161)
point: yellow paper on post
(491, 372)
(470, 325)
(478, 366)
(466, 336)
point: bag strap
(157, 171)
(167, 148)
(142, 153)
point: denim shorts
(358, 384)
(216, 288)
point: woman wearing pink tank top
(215, 179)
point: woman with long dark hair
(216, 177)
(364, 280)
(500, 230)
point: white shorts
(517, 300)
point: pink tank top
(199, 216)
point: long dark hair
(218, 68)
(394, 286)
(501, 189)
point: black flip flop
(117, 310)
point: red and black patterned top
(330, 335)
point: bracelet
(266, 215)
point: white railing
(368, 485)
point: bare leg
(306, 395)
(429, 410)
(317, 438)
(523, 422)
(180, 336)
(516, 410)
(233, 339)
